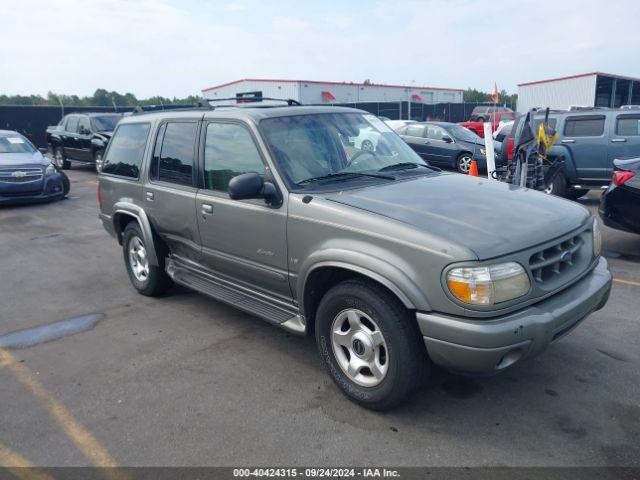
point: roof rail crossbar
(242, 100)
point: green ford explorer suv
(392, 264)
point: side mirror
(84, 131)
(251, 185)
(447, 139)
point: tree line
(477, 96)
(100, 98)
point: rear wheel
(148, 279)
(370, 345)
(60, 160)
(97, 158)
(480, 119)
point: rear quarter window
(126, 150)
(584, 126)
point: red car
(503, 115)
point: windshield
(326, 148)
(103, 123)
(464, 134)
(15, 143)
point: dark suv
(392, 264)
(81, 137)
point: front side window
(331, 149)
(83, 125)
(126, 150)
(586, 126)
(174, 154)
(72, 124)
(628, 125)
(435, 133)
(229, 151)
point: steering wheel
(358, 155)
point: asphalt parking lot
(184, 380)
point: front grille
(556, 260)
(20, 175)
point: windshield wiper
(345, 174)
(403, 166)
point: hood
(35, 159)
(489, 218)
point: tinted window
(229, 151)
(72, 124)
(628, 125)
(592, 126)
(177, 151)
(84, 124)
(126, 149)
(415, 130)
(435, 133)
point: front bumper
(50, 188)
(490, 345)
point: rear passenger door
(624, 140)
(584, 136)
(243, 241)
(170, 192)
(415, 137)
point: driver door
(243, 241)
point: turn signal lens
(488, 285)
(597, 238)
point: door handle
(207, 209)
(149, 196)
(618, 140)
(568, 140)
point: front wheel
(558, 186)
(370, 345)
(147, 279)
(463, 163)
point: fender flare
(570, 172)
(381, 271)
(132, 210)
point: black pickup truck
(81, 137)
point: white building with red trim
(318, 92)
(594, 89)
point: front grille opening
(555, 260)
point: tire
(97, 159)
(367, 146)
(66, 185)
(558, 186)
(378, 327)
(60, 160)
(576, 193)
(480, 119)
(463, 162)
(149, 280)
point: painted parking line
(626, 282)
(79, 435)
(19, 466)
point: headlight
(597, 238)
(50, 170)
(488, 285)
(483, 151)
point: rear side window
(229, 151)
(628, 125)
(587, 126)
(415, 130)
(174, 153)
(126, 150)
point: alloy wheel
(464, 164)
(359, 347)
(138, 260)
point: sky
(178, 47)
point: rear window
(628, 125)
(587, 126)
(126, 150)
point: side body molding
(375, 268)
(130, 209)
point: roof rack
(243, 100)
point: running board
(203, 283)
